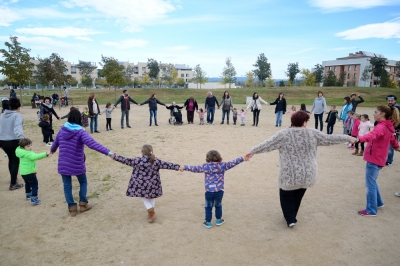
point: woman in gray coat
(226, 105)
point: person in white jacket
(256, 107)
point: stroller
(175, 117)
(63, 103)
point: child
(354, 130)
(214, 171)
(201, 116)
(145, 179)
(331, 119)
(234, 115)
(108, 112)
(291, 112)
(85, 117)
(303, 108)
(243, 116)
(348, 126)
(27, 168)
(363, 129)
(47, 130)
(70, 109)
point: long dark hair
(254, 96)
(283, 95)
(74, 117)
(347, 98)
(226, 97)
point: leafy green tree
(292, 71)
(180, 82)
(86, 69)
(146, 80)
(39, 74)
(330, 79)
(174, 74)
(154, 68)
(384, 79)
(341, 79)
(270, 81)
(249, 78)
(263, 68)
(228, 73)
(365, 76)
(397, 72)
(73, 82)
(319, 73)
(199, 76)
(15, 64)
(378, 65)
(308, 77)
(281, 83)
(87, 81)
(167, 73)
(113, 72)
(136, 82)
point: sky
(204, 32)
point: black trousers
(318, 117)
(329, 128)
(9, 147)
(256, 114)
(290, 203)
(47, 138)
(190, 116)
(108, 123)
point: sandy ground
(116, 232)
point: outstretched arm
(168, 165)
(124, 160)
(233, 163)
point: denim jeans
(125, 114)
(329, 128)
(227, 115)
(390, 154)
(93, 123)
(373, 195)
(210, 114)
(31, 184)
(344, 128)
(67, 180)
(153, 113)
(318, 117)
(279, 118)
(213, 199)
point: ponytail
(148, 151)
(391, 113)
(395, 116)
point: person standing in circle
(153, 101)
(209, 105)
(280, 108)
(256, 107)
(94, 111)
(226, 104)
(191, 106)
(319, 108)
(125, 100)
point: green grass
(293, 95)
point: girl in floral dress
(145, 180)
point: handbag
(251, 109)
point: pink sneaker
(365, 213)
(351, 147)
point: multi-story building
(354, 66)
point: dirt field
(116, 232)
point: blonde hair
(45, 117)
(391, 113)
(148, 151)
(293, 108)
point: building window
(182, 75)
(348, 68)
(73, 69)
(355, 75)
(348, 75)
(355, 67)
(329, 68)
(334, 69)
(187, 75)
(143, 68)
(186, 80)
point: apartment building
(354, 65)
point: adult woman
(71, 139)
(343, 114)
(297, 160)
(47, 108)
(226, 104)
(191, 106)
(280, 108)
(256, 107)
(376, 152)
(94, 111)
(10, 134)
(319, 107)
(153, 101)
(13, 94)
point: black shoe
(107, 129)
(111, 129)
(128, 126)
(150, 125)
(156, 124)
(16, 186)
(122, 127)
(253, 125)
(276, 125)
(227, 123)
(96, 131)
(222, 122)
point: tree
(308, 78)
(397, 72)
(128, 73)
(113, 72)
(73, 82)
(330, 79)
(16, 65)
(87, 81)
(228, 73)
(385, 79)
(292, 71)
(86, 69)
(365, 76)
(319, 73)
(378, 65)
(249, 78)
(180, 82)
(174, 74)
(166, 73)
(153, 67)
(281, 83)
(146, 80)
(199, 76)
(342, 78)
(270, 81)
(263, 68)
(136, 82)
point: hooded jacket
(378, 142)
(47, 130)
(27, 160)
(11, 126)
(319, 105)
(47, 109)
(346, 108)
(72, 139)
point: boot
(222, 122)
(355, 152)
(151, 214)
(72, 210)
(361, 153)
(227, 122)
(84, 206)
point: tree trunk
(20, 95)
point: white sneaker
(292, 224)
(346, 143)
(397, 194)
(49, 144)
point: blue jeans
(390, 154)
(67, 180)
(227, 115)
(213, 199)
(93, 123)
(153, 113)
(279, 118)
(123, 114)
(373, 195)
(31, 184)
(210, 114)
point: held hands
(397, 149)
(353, 140)
(247, 156)
(111, 155)
(181, 168)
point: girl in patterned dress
(145, 179)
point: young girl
(85, 118)
(291, 112)
(145, 180)
(27, 168)
(47, 130)
(354, 130)
(303, 108)
(243, 116)
(363, 128)
(348, 126)
(108, 112)
(214, 171)
(201, 116)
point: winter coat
(210, 102)
(125, 103)
(27, 160)
(226, 104)
(378, 142)
(11, 125)
(47, 109)
(196, 107)
(47, 130)
(355, 103)
(85, 119)
(152, 103)
(346, 108)
(90, 107)
(332, 116)
(355, 129)
(72, 139)
(319, 105)
(280, 105)
(364, 128)
(256, 104)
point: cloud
(384, 30)
(62, 32)
(84, 39)
(44, 43)
(342, 48)
(345, 5)
(7, 16)
(303, 51)
(126, 44)
(177, 48)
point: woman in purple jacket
(72, 139)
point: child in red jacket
(354, 130)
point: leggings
(149, 203)
(319, 117)
(108, 123)
(256, 114)
(9, 147)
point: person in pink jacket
(376, 153)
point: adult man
(354, 102)
(125, 100)
(66, 96)
(210, 107)
(391, 101)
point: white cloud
(126, 44)
(177, 48)
(62, 32)
(342, 48)
(66, 4)
(84, 39)
(303, 51)
(354, 4)
(7, 16)
(43, 43)
(384, 30)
